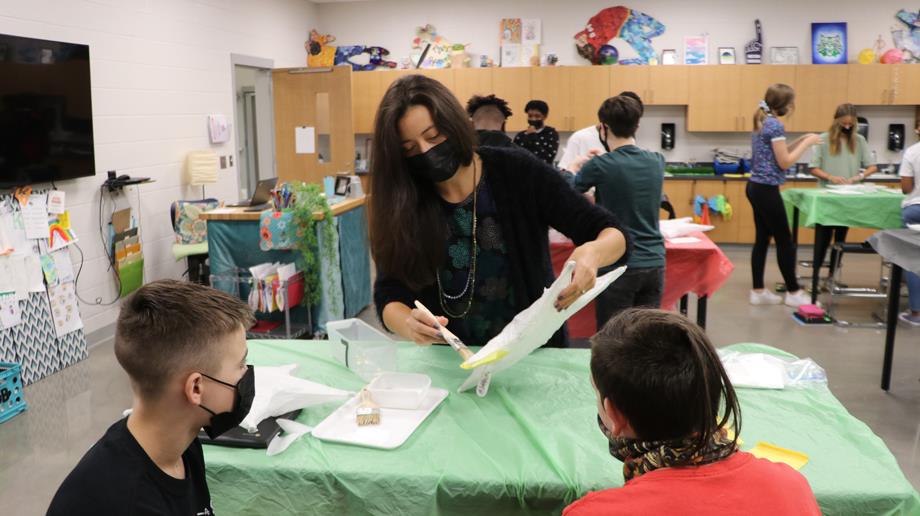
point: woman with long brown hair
(770, 157)
(843, 159)
(464, 229)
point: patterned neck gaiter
(639, 457)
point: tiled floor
(70, 410)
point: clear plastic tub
(362, 348)
(399, 390)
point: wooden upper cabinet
(629, 78)
(906, 84)
(589, 88)
(365, 98)
(755, 79)
(551, 84)
(443, 75)
(668, 85)
(869, 85)
(714, 99)
(819, 89)
(513, 85)
(471, 81)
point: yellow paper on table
(774, 453)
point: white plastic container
(362, 348)
(399, 390)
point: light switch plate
(223, 162)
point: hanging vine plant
(308, 199)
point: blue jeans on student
(911, 215)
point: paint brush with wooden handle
(449, 337)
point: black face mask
(536, 124)
(437, 164)
(602, 134)
(846, 130)
(242, 402)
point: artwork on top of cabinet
(908, 42)
(696, 50)
(726, 55)
(520, 41)
(829, 43)
(871, 55)
(784, 55)
(440, 54)
(634, 27)
(753, 51)
(321, 54)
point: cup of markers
(282, 197)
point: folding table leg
(701, 311)
(820, 236)
(894, 299)
(684, 301)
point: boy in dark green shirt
(628, 182)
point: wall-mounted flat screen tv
(46, 111)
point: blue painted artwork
(829, 43)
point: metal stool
(837, 290)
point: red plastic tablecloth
(700, 268)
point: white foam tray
(396, 425)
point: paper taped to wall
(304, 140)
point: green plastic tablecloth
(531, 446)
(880, 210)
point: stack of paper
(269, 282)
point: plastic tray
(400, 390)
(396, 426)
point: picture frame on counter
(669, 56)
(727, 55)
(784, 55)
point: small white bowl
(399, 390)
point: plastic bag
(278, 392)
(764, 371)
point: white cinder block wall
(159, 67)
(728, 23)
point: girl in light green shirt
(843, 159)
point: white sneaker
(764, 297)
(798, 299)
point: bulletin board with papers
(40, 323)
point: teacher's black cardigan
(530, 197)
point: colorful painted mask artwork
(753, 51)
(908, 41)
(829, 43)
(321, 54)
(634, 27)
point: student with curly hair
(489, 114)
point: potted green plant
(308, 199)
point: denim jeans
(911, 215)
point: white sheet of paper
(533, 327)
(63, 265)
(56, 200)
(35, 217)
(10, 312)
(6, 276)
(304, 140)
(684, 240)
(34, 275)
(20, 278)
(64, 309)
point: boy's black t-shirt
(117, 477)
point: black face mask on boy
(536, 124)
(437, 164)
(242, 402)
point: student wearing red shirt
(660, 385)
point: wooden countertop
(240, 214)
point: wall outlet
(223, 162)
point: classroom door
(253, 119)
(314, 135)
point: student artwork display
(784, 55)
(60, 232)
(321, 54)
(634, 27)
(64, 310)
(753, 51)
(440, 52)
(907, 41)
(726, 55)
(520, 42)
(871, 55)
(696, 50)
(829, 43)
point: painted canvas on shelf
(637, 29)
(696, 50)
(753, 51)
(829, 43)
